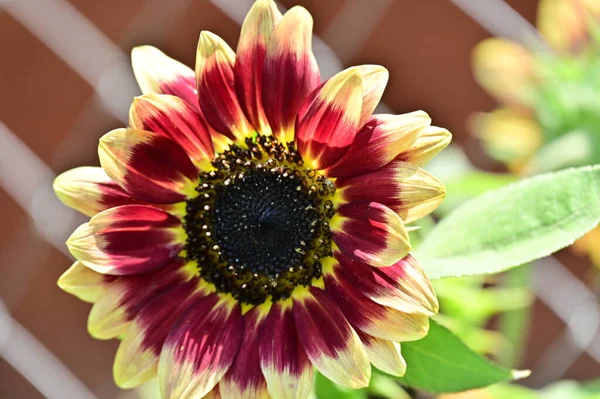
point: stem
(514, 324)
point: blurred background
(65, 80)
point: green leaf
(325, 389)
(558, 390)
(470, 185)
(504, 228)
(441, 362)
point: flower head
(249, 225)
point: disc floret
(259, 226)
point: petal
(408, 190)
(244, 379)
(505, 69)
(290, 72)
(158, 73)
(328, 121)
(200, 348)
(136, 360)
(255, 37)
(374, 80)
(403, 286)
(379, 142)
(508, 136)
(384, 354)
(124, 296)
(370, 232)
(216, 92)
(89, 190)
(370, 317)
(82, 282)
(428, 144)
(128, 239)
(148, 166)
(176, 119)
(215, 393)
(330, 342)
(283, 360)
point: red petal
(255, 36)
(216, 92)
(330, 342)
(127, 239)
(200, 348)
(244, 379)
(370, 232)
(283, 361)
(124, 296)
(379, 142)
(408, 190)
(89, 190)
(148, 166)
(158, 73)
(374, 319)
(403, 286)
(329, 119)
(291, 71)
(136, 360)
(174, 118)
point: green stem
(514, 324)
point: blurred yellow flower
(542, 95)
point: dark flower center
(264, 221)
(259, 226)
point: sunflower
(249, 226)
(545, 97)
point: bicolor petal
(156, 72)
(124, 296)
(374, 80)
(505, 69)
(215, 393)
(83, 282)
(244, 380)
(128, 239)
(428, 144)
(370, 232)
(136, 360)
(378, 142)
(148, 166)
(329, 119)
(200, 348)
(283, 360)
(384, 354)
(330, 342)
(402, 286)
(291, 72)
(255, 38)
(370, 317)
(176, 119)
(216, 91)
(89, 190)
(409, 191)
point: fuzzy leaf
(513, 225)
